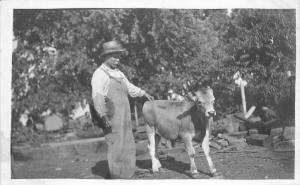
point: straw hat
(111, 47)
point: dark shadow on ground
(18, 156)
(101, 169)
(169, 163)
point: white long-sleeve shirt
(100, 82)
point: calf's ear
(180, 116)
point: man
(110, 90)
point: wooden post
(136, 115)
(243, 97)
(250, 112)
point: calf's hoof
(155, 171)
(217, 175)
(195, 176)
(163, 170)
(160, 170)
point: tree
(262, 46)
(58, 50)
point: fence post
(136, 115)
(243, 97)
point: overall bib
(121, 145)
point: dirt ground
(252, 162)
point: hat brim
(112, 52)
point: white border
(5, 77)
(6, 12)
(177, 4)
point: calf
(187, 120)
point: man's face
(113, 60)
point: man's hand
(107, 123)
(148, 96)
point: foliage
(165, 49)
(262, 43)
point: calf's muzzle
(211, 113)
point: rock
(229, 124)
(289, 133)
(253, 131)
(276, 131)
(238, 143)
(240, 134)
(257, 139)
(70, 136)
(255, 119)
(232, 124)
(222, 142)
(39, 126)
(284, 146)
(53, 123)
(215, 145)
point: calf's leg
(157, 140)
(187, 138)
(151, 147)
(205, 147)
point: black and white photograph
(160, 91)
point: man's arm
(99, 84)
(100, 107)
(135, 91)
(99, 104)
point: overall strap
(110, 75)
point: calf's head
(205, 101)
